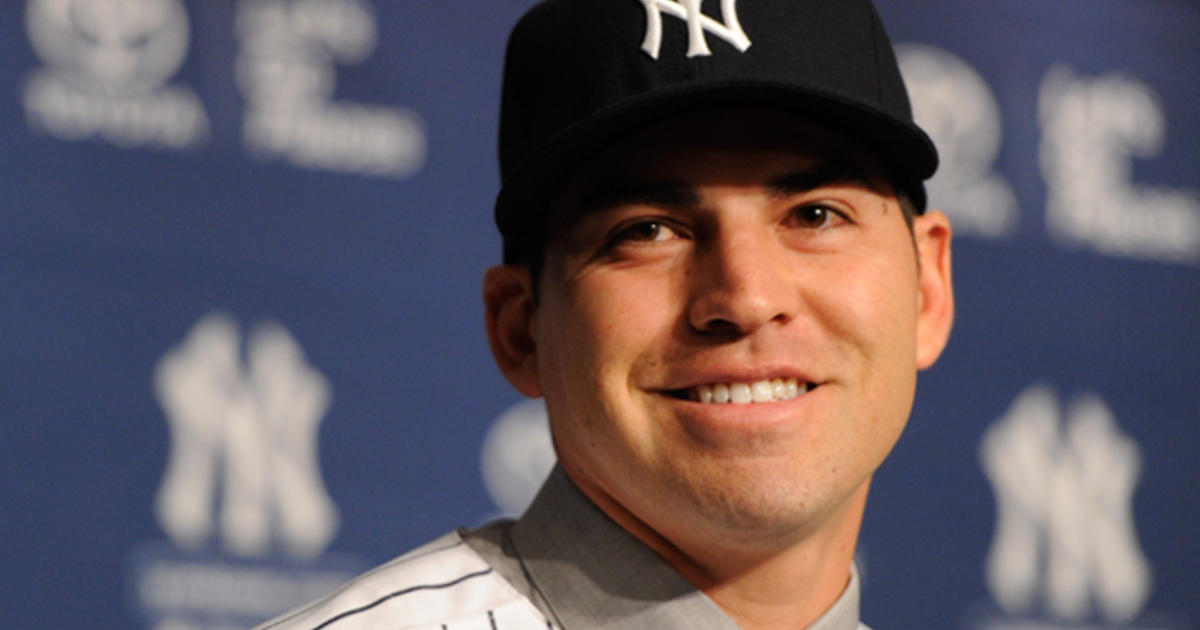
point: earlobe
(935, 317)
(509, 306)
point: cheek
(596, 331)
(889, 351)
(869, 312)
(621, 315)
(868, 318)
(597, 343)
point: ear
(509, 304)
(932, 234)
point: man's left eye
(816, 216)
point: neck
(762, 583)
(793, 587)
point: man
(719, 276)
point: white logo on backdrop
(107, 64)
(286, 70)
(247, 428)
(517, 456)
(697, 24)
(1065, 536)
(953, 103)
(1091, 129)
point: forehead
(687, 148)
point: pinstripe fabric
(443, 585)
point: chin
(754, 505)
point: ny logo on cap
(697, 23)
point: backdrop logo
(517, 456)
(254, 425)
(1065, 542)
(954, 104)
(286, 71)
(697, 25)
(242, 500)
(107, 67)
(1091, 130)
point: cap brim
(526, 192)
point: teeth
(744, 393)
(762, 391)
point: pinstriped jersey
(443, 585)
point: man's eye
(815, 216)
(644, 232)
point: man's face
(746, 255)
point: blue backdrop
(241, 250)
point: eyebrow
(632, 192)
(821, 174)
(683, 195)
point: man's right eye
(643, 231)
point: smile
(767, 390)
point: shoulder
(437, 583)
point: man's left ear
(932, 233)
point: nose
(742, 280)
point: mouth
(764, 391)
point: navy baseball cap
(580, 74)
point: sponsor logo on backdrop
(697, 25)
(956, 107)
(1066, 553)
(517, 455)
(108, 65)
(286, 69)
(108, 68)
(242, 501)
(1092, 128)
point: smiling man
(720, 275)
